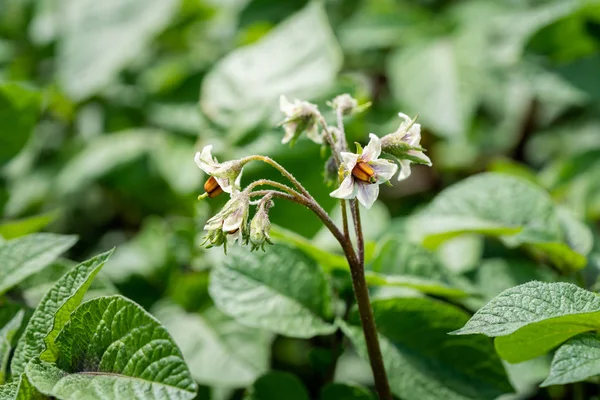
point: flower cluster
(358, 174)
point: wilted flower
(347, 104)
(301, 116)
(229, 224)
(405, 146)
(364, 172)
(224, 177)
(260, 226)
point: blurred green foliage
(104, 103)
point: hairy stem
(360, 241)
(365, 311)
(268, 182)
(345, 218)
(280, 168)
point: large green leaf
(531, 319)
(218, 350)
(53, 312)
(7, 334)
(100, 38)
(576, 360)
(243, 89)
(277, 385)
(513, 209)
(19, 106)
(281, 290)
(25, 256)
(422, 361)
(112, 349)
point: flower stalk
(358, 178)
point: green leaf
(401, 263)
(19, 107)
(25, 256)
(174, 159)
(576, 360)
(433, 81)
(26, 226)
(581, 73)
(422, 360)
(277, 385)
(340, 391)
(323, 257)
(243, 88)
(119, 31)
(281, 290)
(102, 155)
(218, 350)
(53, 312)
(7, 334)
(531, 319)
(112, 349)
(516, 211)
(21, 389)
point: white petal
(234, 237)
(313, 134)
(205, 160)
(384, 170)
(404, 170)
(347, 189)
(285, 106)
(238, 181)
(349, 160)
(420, 155)
(290, 131)
(367, 193)
(233, 221)
(413, 137)
(224, 183)
(405, 117)
(372, 150)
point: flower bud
(347, 104)
(405, 146)
(301, 116)
(230, 224)
(260, 226)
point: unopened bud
(260, 227)
(347, 104)
(364, 173)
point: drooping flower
(230, 224)
(224, 177)
(347, 104)
(405, 146)
(300, 116)
(364, 172)
(260, 226)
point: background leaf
(282, 291)
(23, 257)
(422, 361)
(243, 88)
(218, 350)
(576, 360)
(19, 107)
(277, 385)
